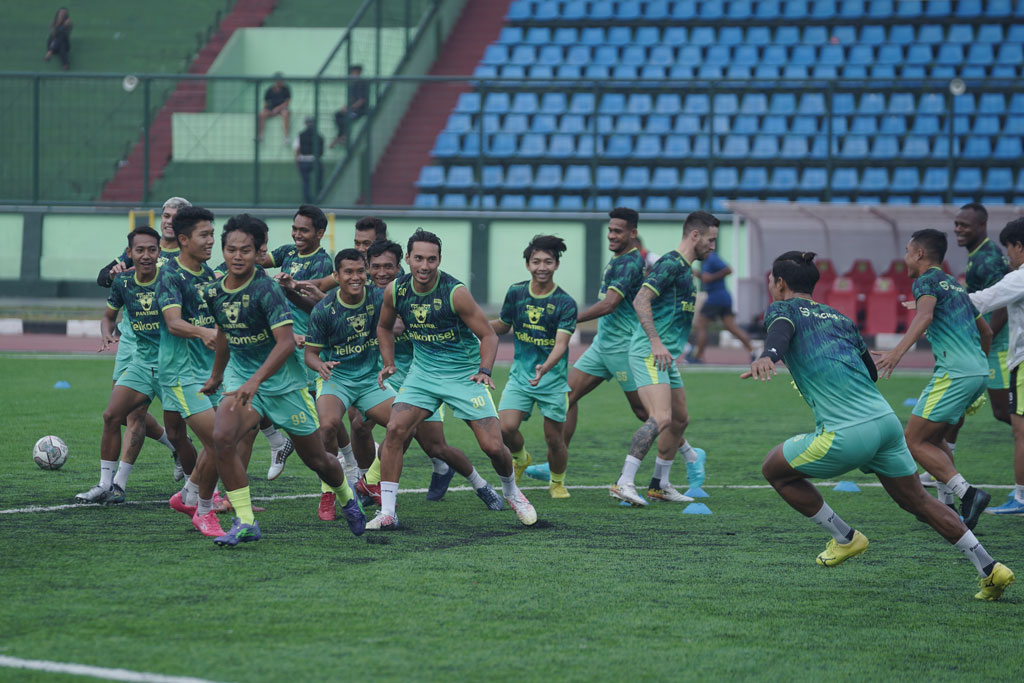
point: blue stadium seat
(496, 103)
(468, 103)
(853, 147)
(469, 147)
(562, 146)
(861, 54)
(774, 55)
(915, 147)
(454, 201)
(938, 8)
(757, 104)
(619, 146)
(532, 145)
(569, 71)
(883, 146)
(628, 123)
(969, 8)
(620, 35)
(603, 203)
(572, 124)
(495, 55)
(639, 103)
(795, 9)
(977, 148)
(460, 178)
(667, 103)
(986, 125)
(967, 180)
(658, 203)
(540, 202)
(446, 145)
(582, 103)
(459, 123)
(518, 177)
(739, 9)
(980, 55)
(804, 54)
(935, 179)
(492, 177)
(725, 103)
(425, 201)
(933, 34)
(744, 124)
(694, 178)
(675, 36)
(636, 178)
(634, 56)
(585, 146)
(811, 104)
(1008, 147)
(794, 147)
(880, 8)
(687, 204)
(565, 35)
(546, 10)
(550, 55)
(831, 55)
(502, 145)
(758, 35)
(510, 35)
(512, 202)
(813, 180)
(651, 72)
(577, 178)
(647, 35)
(485, 71)
(717, 55)
(592, 36)
(544, 123)
(901, 103)
(676, 147)
(697, 104)
(665, 179)
(515, 123)
(724, 179)
(874, 180)
(710, 71)
(905, 180)
(909, 8)
(574, 10)
(863, 125)
(702, 35)
(578, 55)
(612, 103)
(735, 147)
(536, 35)
(608, 177)
(872, 34)
(853, 71)
(753, 179)
(513, 71)
(606, 55)
(1014, 125)
(570, 202)
(431, 177)
(844, 180)
(999, 180)
(597, 72)
(1011, 54)
(647, 147)
(919, 53)
(658, 124)
(784, 179)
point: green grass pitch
(593, 592)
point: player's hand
(326, 367)
(763, 369)
(886, 362)
(300, 340)
(662, 358)
(285, 280)
(211, 385)
(910, 305)
(108, 341)
(536, 378)
(310, 289)
(384, 373)
(208, 336)
(481, 378)
(243, 394)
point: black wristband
(484, 371)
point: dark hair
(978, 209)
(248, 224)
(355, 67)
(1013, 233)
(629, 215)
(349, 254)
(314, 214)
(142, 230)
(700, 221)
(933, 242)
(187, 218)
(549, 243)
(422, 235)
(798, 270)
(379, 227)
(384, 247)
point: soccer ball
(50, 452)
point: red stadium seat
(863, 275)
(843, 297)
(882, 311)
(897, 272)
(826, 277)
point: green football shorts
(646, 373)
(364, 395)
(607, 365)
(186, 399)
(125, 352)
(946, 398)
(998, 373)
(875, 446)
(467, 400)
(142, 378)
(553, 405)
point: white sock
(476, 481)
(508, 486)
(204, 506)
(945, 495)
(629, 469)
(440, 466)
(273, 436)
(388, 497)
(958, 485)
(346, 456)
(121, 478)
(190, 492)
(828, 520)
(363, 471)
(686, 450)
(1018, 492)
(661, 470)
(107, 468)
(165, 441)
(952, 447)
(974, 551)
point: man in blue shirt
(713, 271)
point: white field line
(600, 487)
(95, 671)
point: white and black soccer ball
(50, 452)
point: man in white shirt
(1009, 292)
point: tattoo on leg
(643, 438)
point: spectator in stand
(59, 42)
(718, 304)
(309, 147)
(275, 103)
(358, 101)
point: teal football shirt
(301, 267)
(535, 321)
(953, 333)
(986, 266)
(671, 279)
(138, 299)
(443, 346)
(347, 334)
(184, 361)
(623, 274)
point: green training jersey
(671, 280)
(443, 345)
(125, 260)
(535, 321)
(347, 334)
(248, 316)
(953, 333)
(824, 358)
(138, 299)
(301, 267)
(623, 274)
(986, 266)
(183, 361)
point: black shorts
(1016, 390)
(713, 311)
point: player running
(256, 362)
(453, 352)
(854, 426)
(138, 384)
(959, 337)
(664, 307)
(543, 318)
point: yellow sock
(373, 474)
(557, 478)
(520, 455)
(243, 504)
(324, 488)
(344, 492)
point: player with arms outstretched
(854, 426)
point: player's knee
(1001, 413)
(640, 412)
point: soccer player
(384, 257)
(854, 426)
(138, 384)
(369, 229)
(713, 271)
(1008, 293)
(256, 362)
(306, 259)
(664, 308)
(543, 317)
(454, 349)
(187, 340)
(959, 338)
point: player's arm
(107, 326)
(642, 305)
(888, 361)
(386, 335)
(317, 338)
(609, 303)
(500, 327)
(998, 321)
(776, 344)
(105, 278)
(708, 278)
(986, 333)
(284, 346)
(179, 327)
(294, 296)
(316, 363)
(221, 353)
(476, 321)
(557, 352)
(1001, 294)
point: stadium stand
(849, 103)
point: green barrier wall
(507, 241)
(10, 236)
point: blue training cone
(62, 385)
(696, 509)
(848, 486)
(910, 402)
(625, 504)
(696, 492)
(542, 472)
